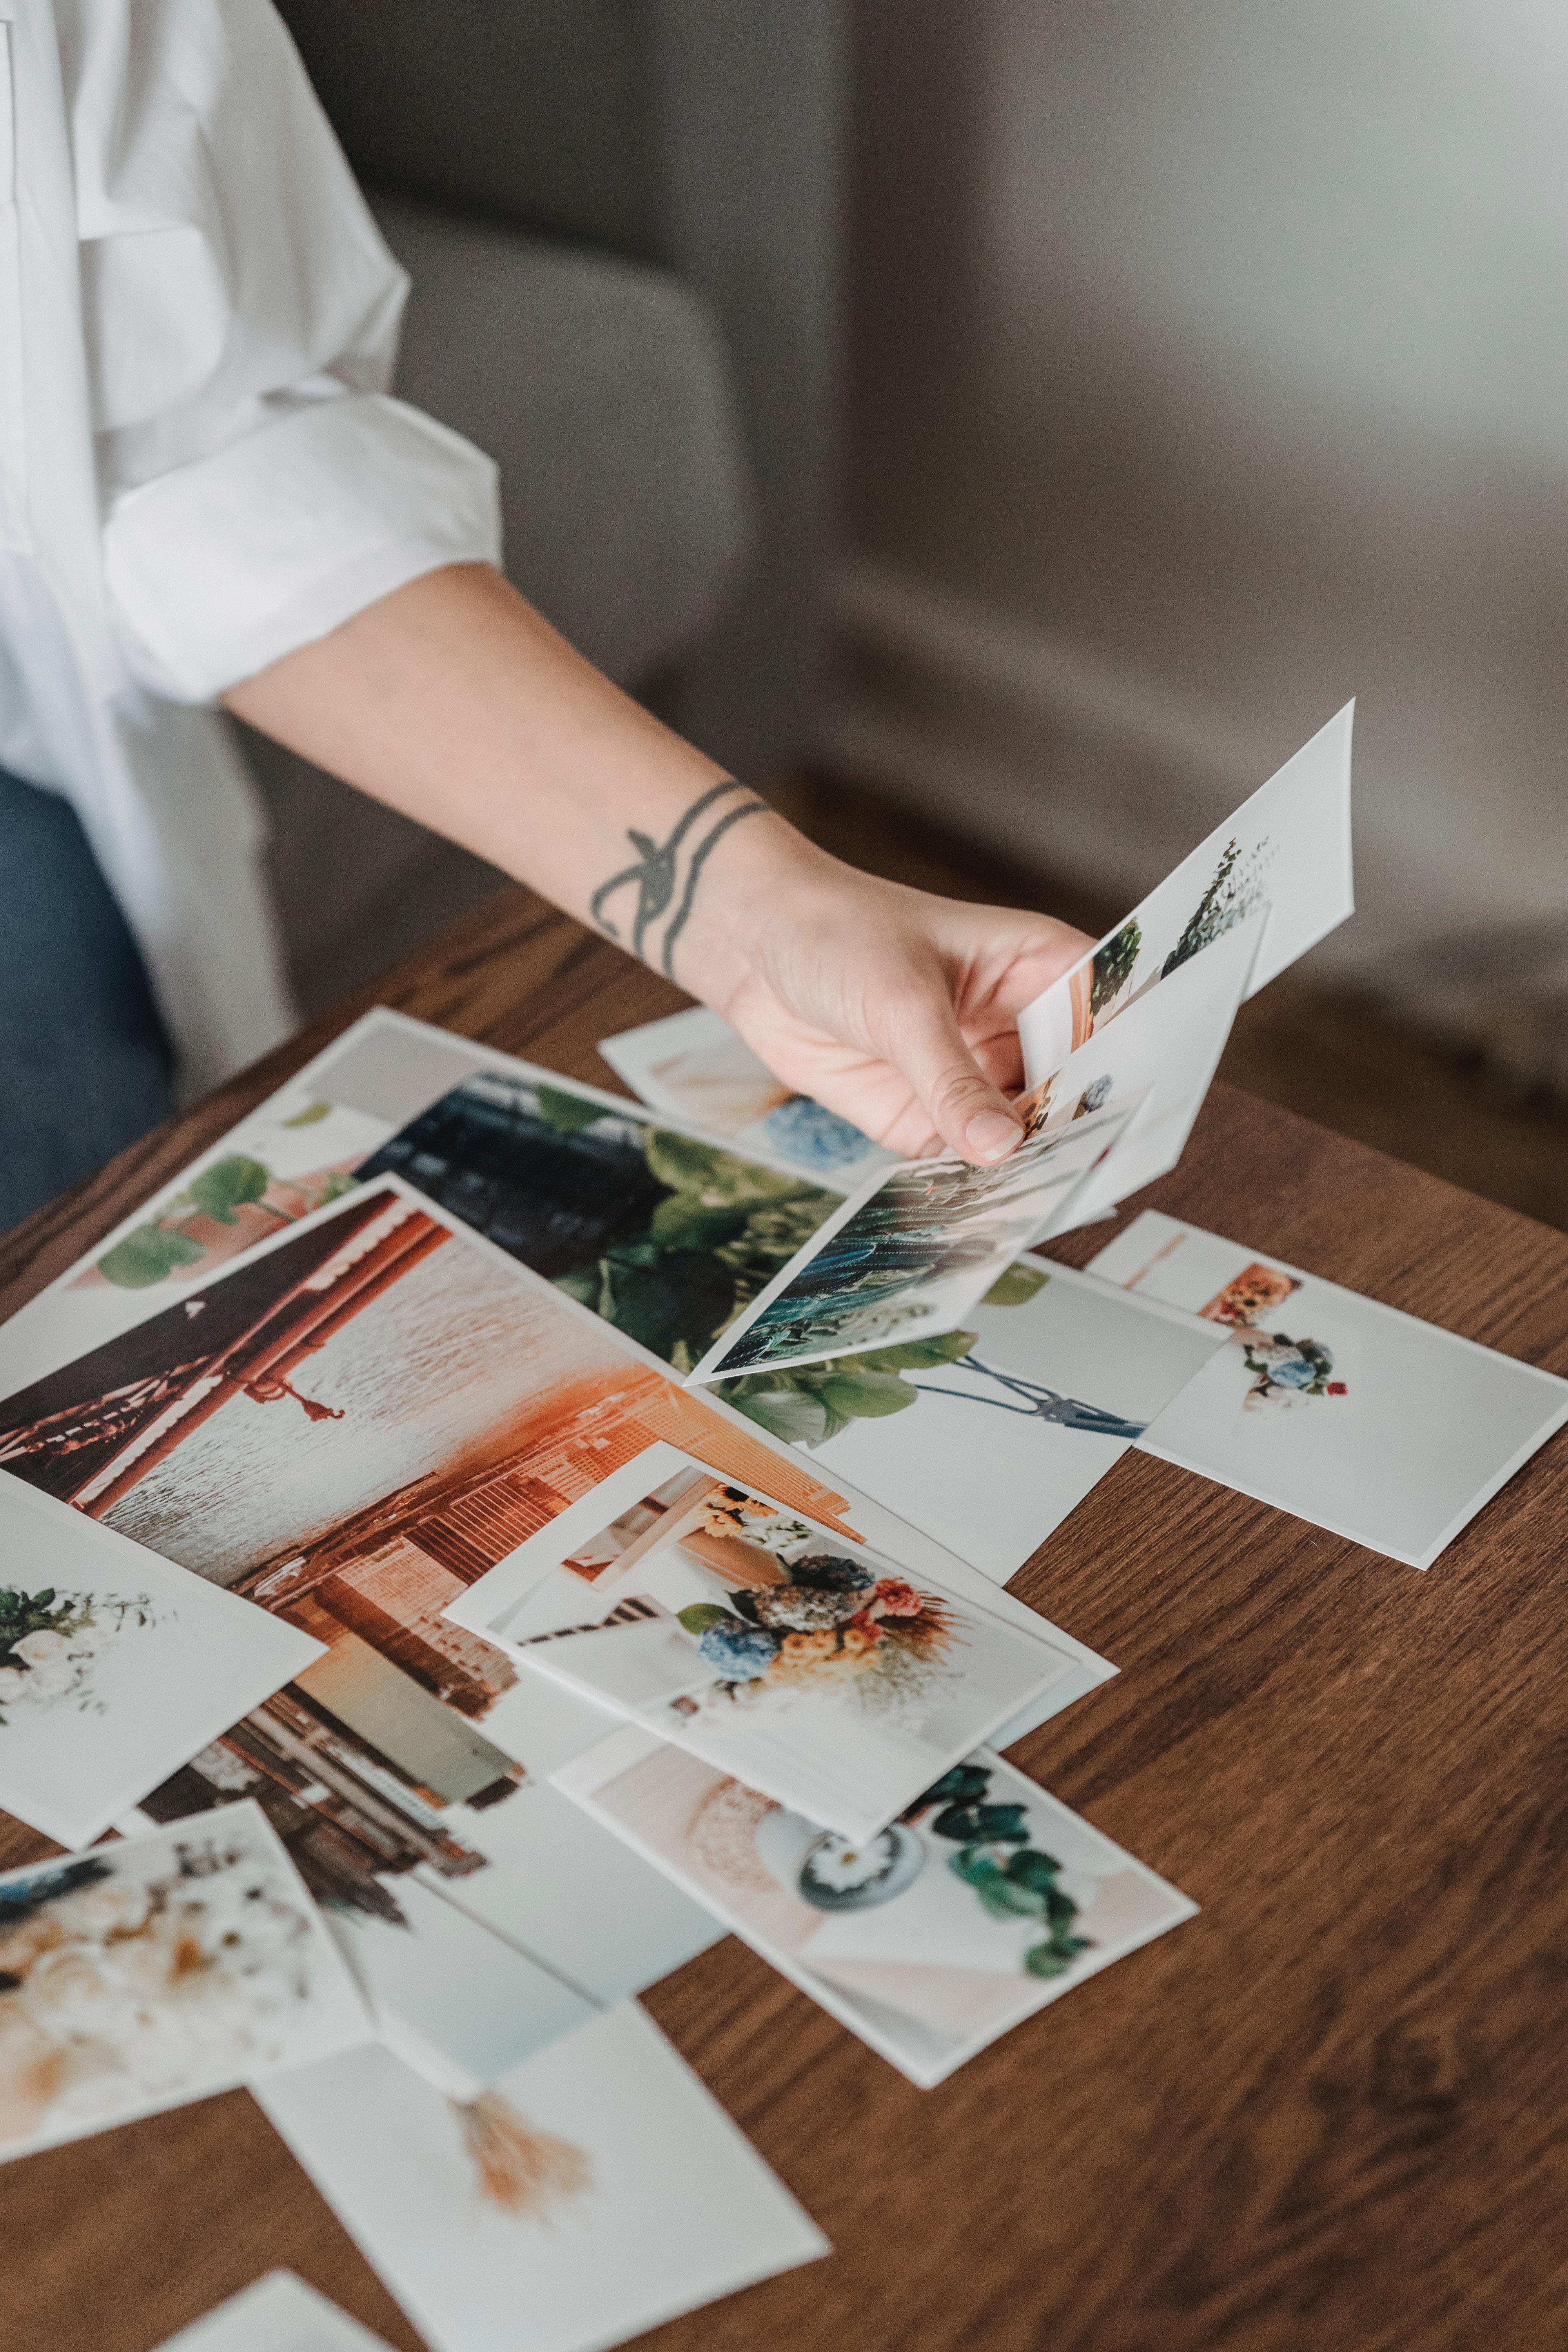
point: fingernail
(991, 1134)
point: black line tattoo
(654, 872)
(656, 867)
(693, 874)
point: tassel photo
(521, 2170)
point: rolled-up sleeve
(259, 485)
(220, 567)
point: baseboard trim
(976, 649)
(1047, 753)
(1024, 738)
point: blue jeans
(85, 1061)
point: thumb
(971, 1114)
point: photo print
(1367, 1422)
(279, 1165)
(1163, 1052)
(299, 1149)
(387, 1869)
(982, 1903)
(113, 1666)
(666, 1234)
(157, 1970)
(718, 1619)
(278, 2314)
(376, 1377)
(907, 1257)
(346, 1429)
(693, 1066)
(638, 2198)
(988, 1437)
(1287, 849)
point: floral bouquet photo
(832, 1678)
(1286, 1371)
(832, 1625)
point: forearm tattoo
(661, 867)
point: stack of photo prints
(478, 1539)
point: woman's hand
(896, 1009)
(455, 701)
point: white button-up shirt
(200, 468)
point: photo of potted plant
(1012, 1877)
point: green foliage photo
(811, 1403)
(152, 1252)
(724, 1229)
(1236, 891)
(1013, 1877)
(1113, 966)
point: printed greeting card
(158, 1970)
(1364, 1421)
(982, 1903)
(597, 2190)
(809, 1666)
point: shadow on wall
(1202, 379)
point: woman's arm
(453, 700)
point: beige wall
(1211, 365)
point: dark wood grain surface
(1327, 2113)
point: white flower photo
(157, 1971)
(114, 1665)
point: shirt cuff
(223, 566)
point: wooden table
(1327, 2113)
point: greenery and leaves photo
(165, 1243)
(665, 1236)
(810, 1403)
(1013, 1877)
